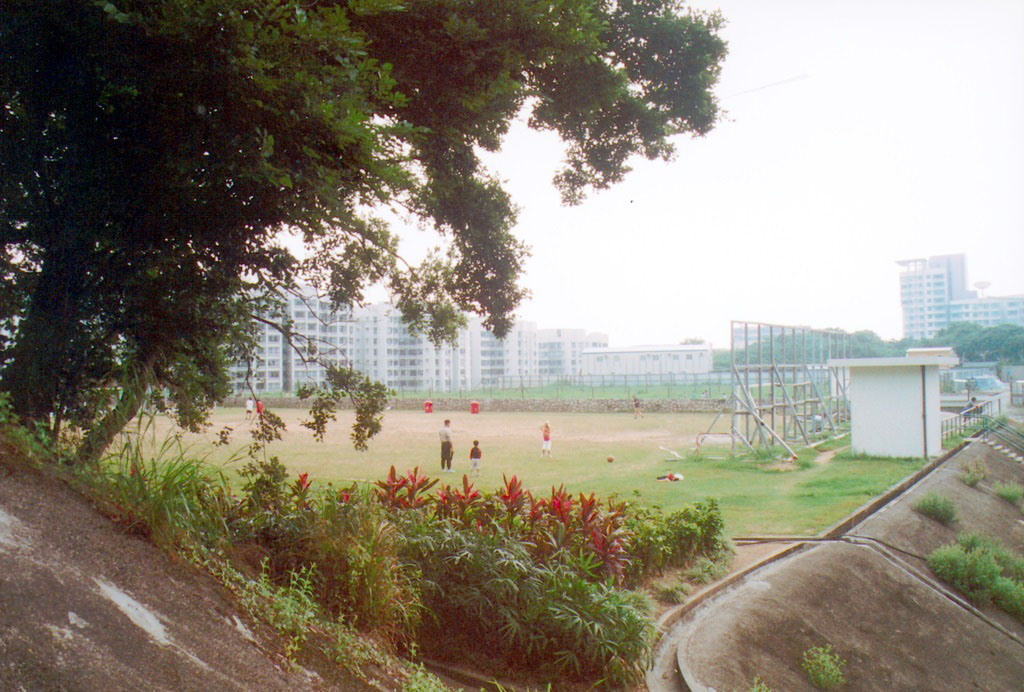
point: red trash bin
(474, 407)
(428, 406)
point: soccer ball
(610, 458)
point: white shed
(894, 404)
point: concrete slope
(84, 607)
(870, 594)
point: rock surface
(85, 607)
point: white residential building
(496, 360)
(933, 294)
(375, 341)
(560, 351)
(663, 361)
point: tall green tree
(974, 342)
(152, 150)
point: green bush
(1008, 594)
(346, 534)
(486, 593)
(1011, 492)
(706, 569)
(973, 472)
(936, 507)
(1010, 563)
(973, 573)
(760, 685)
(675, 593)
(659, 541)
(824, 667)
(984, 569)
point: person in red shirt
(475, 455)
(545, 432)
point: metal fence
(967, 422)
(715, 385)
(785, 390)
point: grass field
(754, 498)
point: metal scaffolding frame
(784, 392)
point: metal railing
(1006, 433)
(968, 422)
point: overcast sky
(858, 133)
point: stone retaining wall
(527, 405)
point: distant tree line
(1003, 343)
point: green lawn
(753, 497)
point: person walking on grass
(447, 447)
(475, 455)
(545, 433)
(637, 412)
(249, 404)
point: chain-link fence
(713, 385)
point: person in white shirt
(447, 447)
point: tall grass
(169, 496)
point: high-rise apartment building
(374, 340)
(560, 351)
(933, 294)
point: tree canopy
(152, 150)
(973, 342)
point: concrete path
(869, 593)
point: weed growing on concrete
(760, 685)
(706, 570)
(973, 472)
(676, 593)
(984, 570)
(1010, 562)
(422, 680)
(1011, 492)
(824, 667)
(937, 507)
(1009, 596)
(972, 572)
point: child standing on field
(475, 455)
(545, 434)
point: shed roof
(912, 361)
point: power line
(768, 86)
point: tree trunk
(42, 348)
(134, 388)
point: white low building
(894, 404)
(677, 359)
